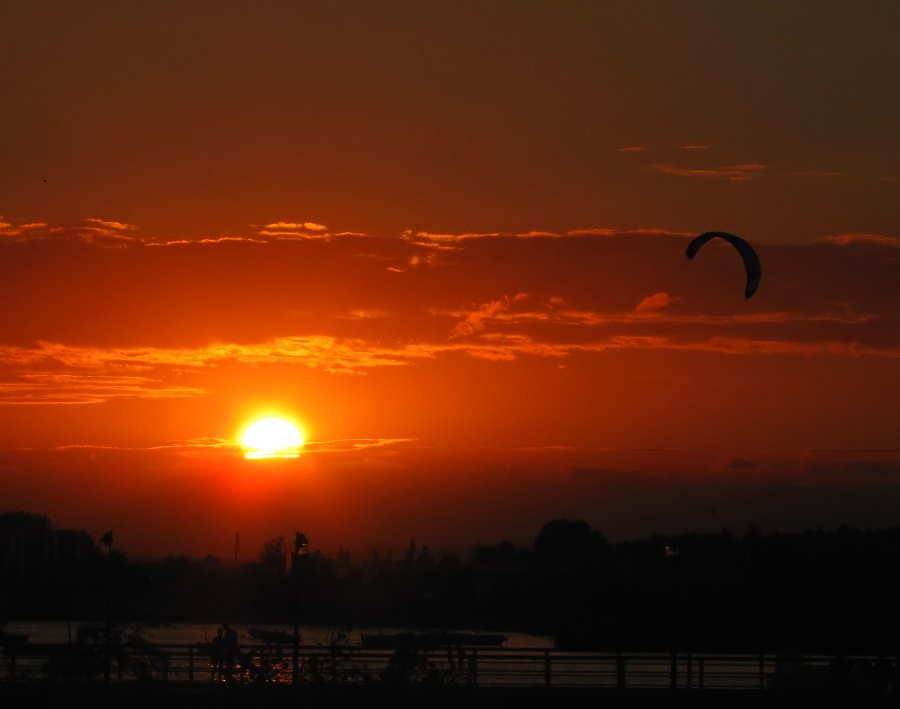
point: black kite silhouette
(751, 260)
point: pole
(295, 654)
(107, 539)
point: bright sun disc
(271, 438)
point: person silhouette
(230, 649)
(216, 654)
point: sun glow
(271, 438)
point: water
(509, 665)
(48, 631)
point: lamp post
(107, 541)
(301, 548)
(672, 552)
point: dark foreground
(169, 697)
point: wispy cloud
(61, 388)
(91, 229)
(448, 240)
(10, 229)
(109, 224)
(222, 445)
(57, 374)
(520, 309)
(297, 230)
(736, 173)
(206, 241)
(474, 320)
(307, 226)
(185, 445)
(863, 238)
(654, 303)
(811, 173)
(352, 445)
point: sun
(271, 438)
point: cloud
(368, 314)
(811, 173)
(107, 224)
(344, 311)
(296, 230)
(308, 226)
(426, 238)
(352, 445)
(189, 444)
(295, 234)
(473, 321)
(449, 241)
(520, 309)
(220, 445)
(736, 173)
(632, 149)
(596, 231)
(60, 388)
(863, 238)
(653, 303)
(207, 241)
(92, 230)
(58, 374)
(10, 229)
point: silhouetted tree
(569, 542)
(273, 556)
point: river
(48, 631)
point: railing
(470, 666)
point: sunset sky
(447, 239)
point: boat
(272, 637)
(409, 640)
(12, 641)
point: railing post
(673, 671)
(762, 671)
(547, 671)
(473, 667)
(191, 664)
(620, 671)
(689, 669)
(700, 674)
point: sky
(447, 240)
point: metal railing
(470, 666)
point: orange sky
(447, 238)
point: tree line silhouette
(830, 591)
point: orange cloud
(654, 302)
(812, 173)
(107, 224)
(863, 238)
(215, 240)
(308, 226)
(737, 173)
(296, 230)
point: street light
(107, 541)
(301, 549)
